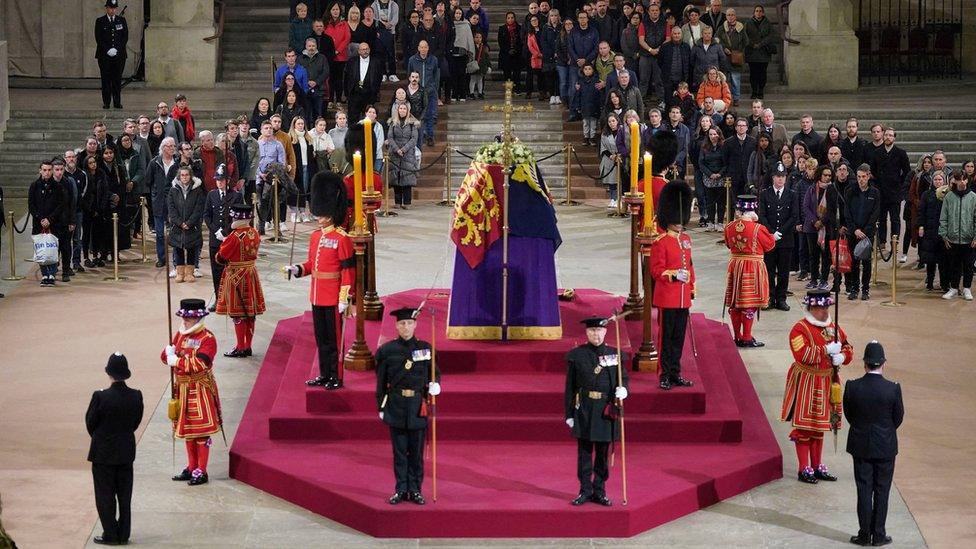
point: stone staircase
(255, 31)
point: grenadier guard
(240, 296)
(332, 265)
(674, 280)
(812, 400)
(747, 282)
(111, 39)
(198, 416)
(356, 141)
(592, 385)
(403, 383)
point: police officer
(111, 37)
(217, 217)
(591, 387)
(403, 383)
(779, 211)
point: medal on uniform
(408, 364)
(597, 370)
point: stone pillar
(4, 90)
(826, 57)
(176, 55)
(969, 39)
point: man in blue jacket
(675, 60)
(428, 67)
(584, 44)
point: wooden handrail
(221, 9)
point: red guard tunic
(240, 292)
(351, 197)
(199, 415)
(671, 252)
(806, 401)
(657, 183)
(332, 266)
(747, 283)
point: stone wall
(4, 90)
(176, 54)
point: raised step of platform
(519, 486)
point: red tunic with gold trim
(199, 415)
(351, 199)
(747, 282)
(240, 292)
(332, 265)
(806, 401)
(669, 253)
(657, 183)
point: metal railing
(220, 9)
(783, 23)
(910, 39)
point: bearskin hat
(356, 141)
(664, 146)
(329, 196)
(674, 204)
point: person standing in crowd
(111, 40)
(186, 204)
(760, 163)
(482, 56)
(675, 59)
(191, 355)
(737, 151)
(338, 29)
(291, 106)
(171, 128)
(891, 171)
(804, 223)
(112, 418)
(209, 157)
(650, 37)
(299, 27)
(160, 174)
(332, 266)
(305, 168)
(510, 51)
(280, 133)
(403, 141)
(474, 6)
(427, 82)
(776, 131)
(409, 36)
(46, 204)
(862, 206)
(461, 53)
(711, 161)
(609, 157)
(317, 68)
(388, 17)
(693, 29)
(852, 147)
(80, 179)
(957, 227)
(362, 81)
(323, 146)
(819, 348)
(874, 408)
(809, 136)
(759, 50)
(593, 385)
(706, 54)
(587, 102)
(820, 205)
(532, 57)
(130, 163)
(338, 135)
(403, 383)
(747, 281)
(261, 113)
(216, 215)
(698, 139)
(181, 112)
(97, 231)
(683, 136)
(931, 247)
(239, 294)
(120, 189)
(65, 237)
(291, 67)
(674, 279)
(732, 37)
(778, 207)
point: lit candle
(634, 151)
(368, 126)
(357, 164)
(648, 193)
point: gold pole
(875, 260)
(728, 199)
(145, 227)
(893, 302)
(386, 192)
(568, 148)
(255, 219)
(13, 248)
(433, 402)
(620, 196)
(115, 250)
(447, 201)
(620, 404)
(275, 215)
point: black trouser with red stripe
(674, 324)
(325, 319)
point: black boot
(183, 476)
(202, 478)
(397, 498)
(333, 384)
(580, 499)
(319, 381)
(601, 499)
(418, 498)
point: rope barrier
(418, 170)
(583, 169)
(24, 228)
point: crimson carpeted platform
(506, 460)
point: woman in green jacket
(957, 227)
(760, 47)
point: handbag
(863, 250)
(840, 258)
(737, 58)
(472, 67)
(173, 409)
(45, 249)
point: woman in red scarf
(181, 112)
(510, 44)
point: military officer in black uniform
(403, 383)
(111, 37)
(591, 389)
(217, 217)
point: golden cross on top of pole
(507, 108)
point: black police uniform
(111, 33)
(402, 375)
(591, 380)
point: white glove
(434, 388)
(620, 393)
(777, 235)
(293, 269)
(219, 235)
(342, 307)
(571, 422)
(837, 359)
(381, 416)
(112, 52)
(171, 360)
(170, 350)
(682, 275)
(833, 348)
